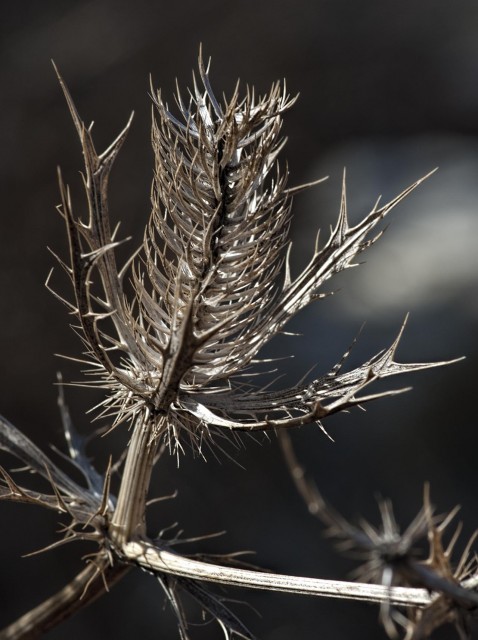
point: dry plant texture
(172, 337)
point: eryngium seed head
(211, 283)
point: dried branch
(91, 583)
(392, 557)
(154, 559)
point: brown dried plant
(172, 336)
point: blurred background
(388, 90)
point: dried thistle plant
(172, 336)
(206, 280)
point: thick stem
(128, 520)
(158, 560)
(86, 587)
(148, 556)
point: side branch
(157, 560)
(87, 586)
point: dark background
(388, 89)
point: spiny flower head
(211, 281)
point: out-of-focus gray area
(388, 90)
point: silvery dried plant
(173, 335)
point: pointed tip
(291, 191)
(428, 175)
(342, 223)
(203, 68)
(396, 342)
(79, 124)
(287, 275)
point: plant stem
(128, 520)
(146, 555)
(93, 581)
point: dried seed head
(206, 291)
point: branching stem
(87, 586)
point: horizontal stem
(149, 557)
